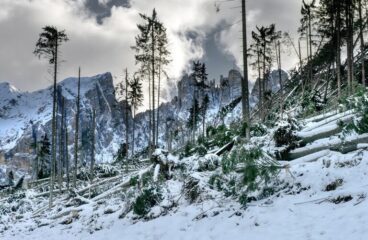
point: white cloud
(105, 47)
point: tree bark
(244, 83)
(362, 47)
(76, 138)
(53, 160)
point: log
(119, 186)
(349, 145)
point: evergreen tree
(150, 43)
(48, 46)
(44, 158)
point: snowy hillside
(318, 196)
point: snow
(307, 215)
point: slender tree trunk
(278, 49)
(348, 15)
(310, 48)
(153, 84)
(93, 145)
(126, 114)
(362, 47)
(133, 137)
(67, 157)
(150, 120)
(263, 81)
(158, 100)
(76, 138)
(61, 144)
(338, 48)
(244, 85)
(53, 160)
(260, 102)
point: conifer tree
(48, 46)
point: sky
(102, 32)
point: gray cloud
(102, 31)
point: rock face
(20, 113)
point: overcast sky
(102, 31)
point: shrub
(285, 133)
(149, 198)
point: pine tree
(48, 46)
(44, 158)
(308, 17)
(147, 56)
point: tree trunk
(244, 83)
(126, 115)
(338, 48)
(66, 157)
(158, 99)
(153, 83)
(310, 48)
(260, 102)
(362, 47)
(61, 145)
(53, 160)
(76, 138)
(93, 145)
(278, 50)
(133, 137)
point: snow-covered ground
(307, 207)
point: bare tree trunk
(310, 48)
(153, 84)
(76, 138)
(53, 160)
(158, 99)
(278, 50)
(61, 145)
(362, 47)
(126, 114)
(260, 101)
(67, 157)
(133, 137)
(338, 48)
(244, 85)
(349, 49)
(93, 145)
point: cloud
(104, 45)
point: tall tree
(307, 21)
(136, 98)
(147, 56)
(244, 83)
(48, 46)
(76, 136)
(263, 40)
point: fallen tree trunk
(119, 186)
(349, 145)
